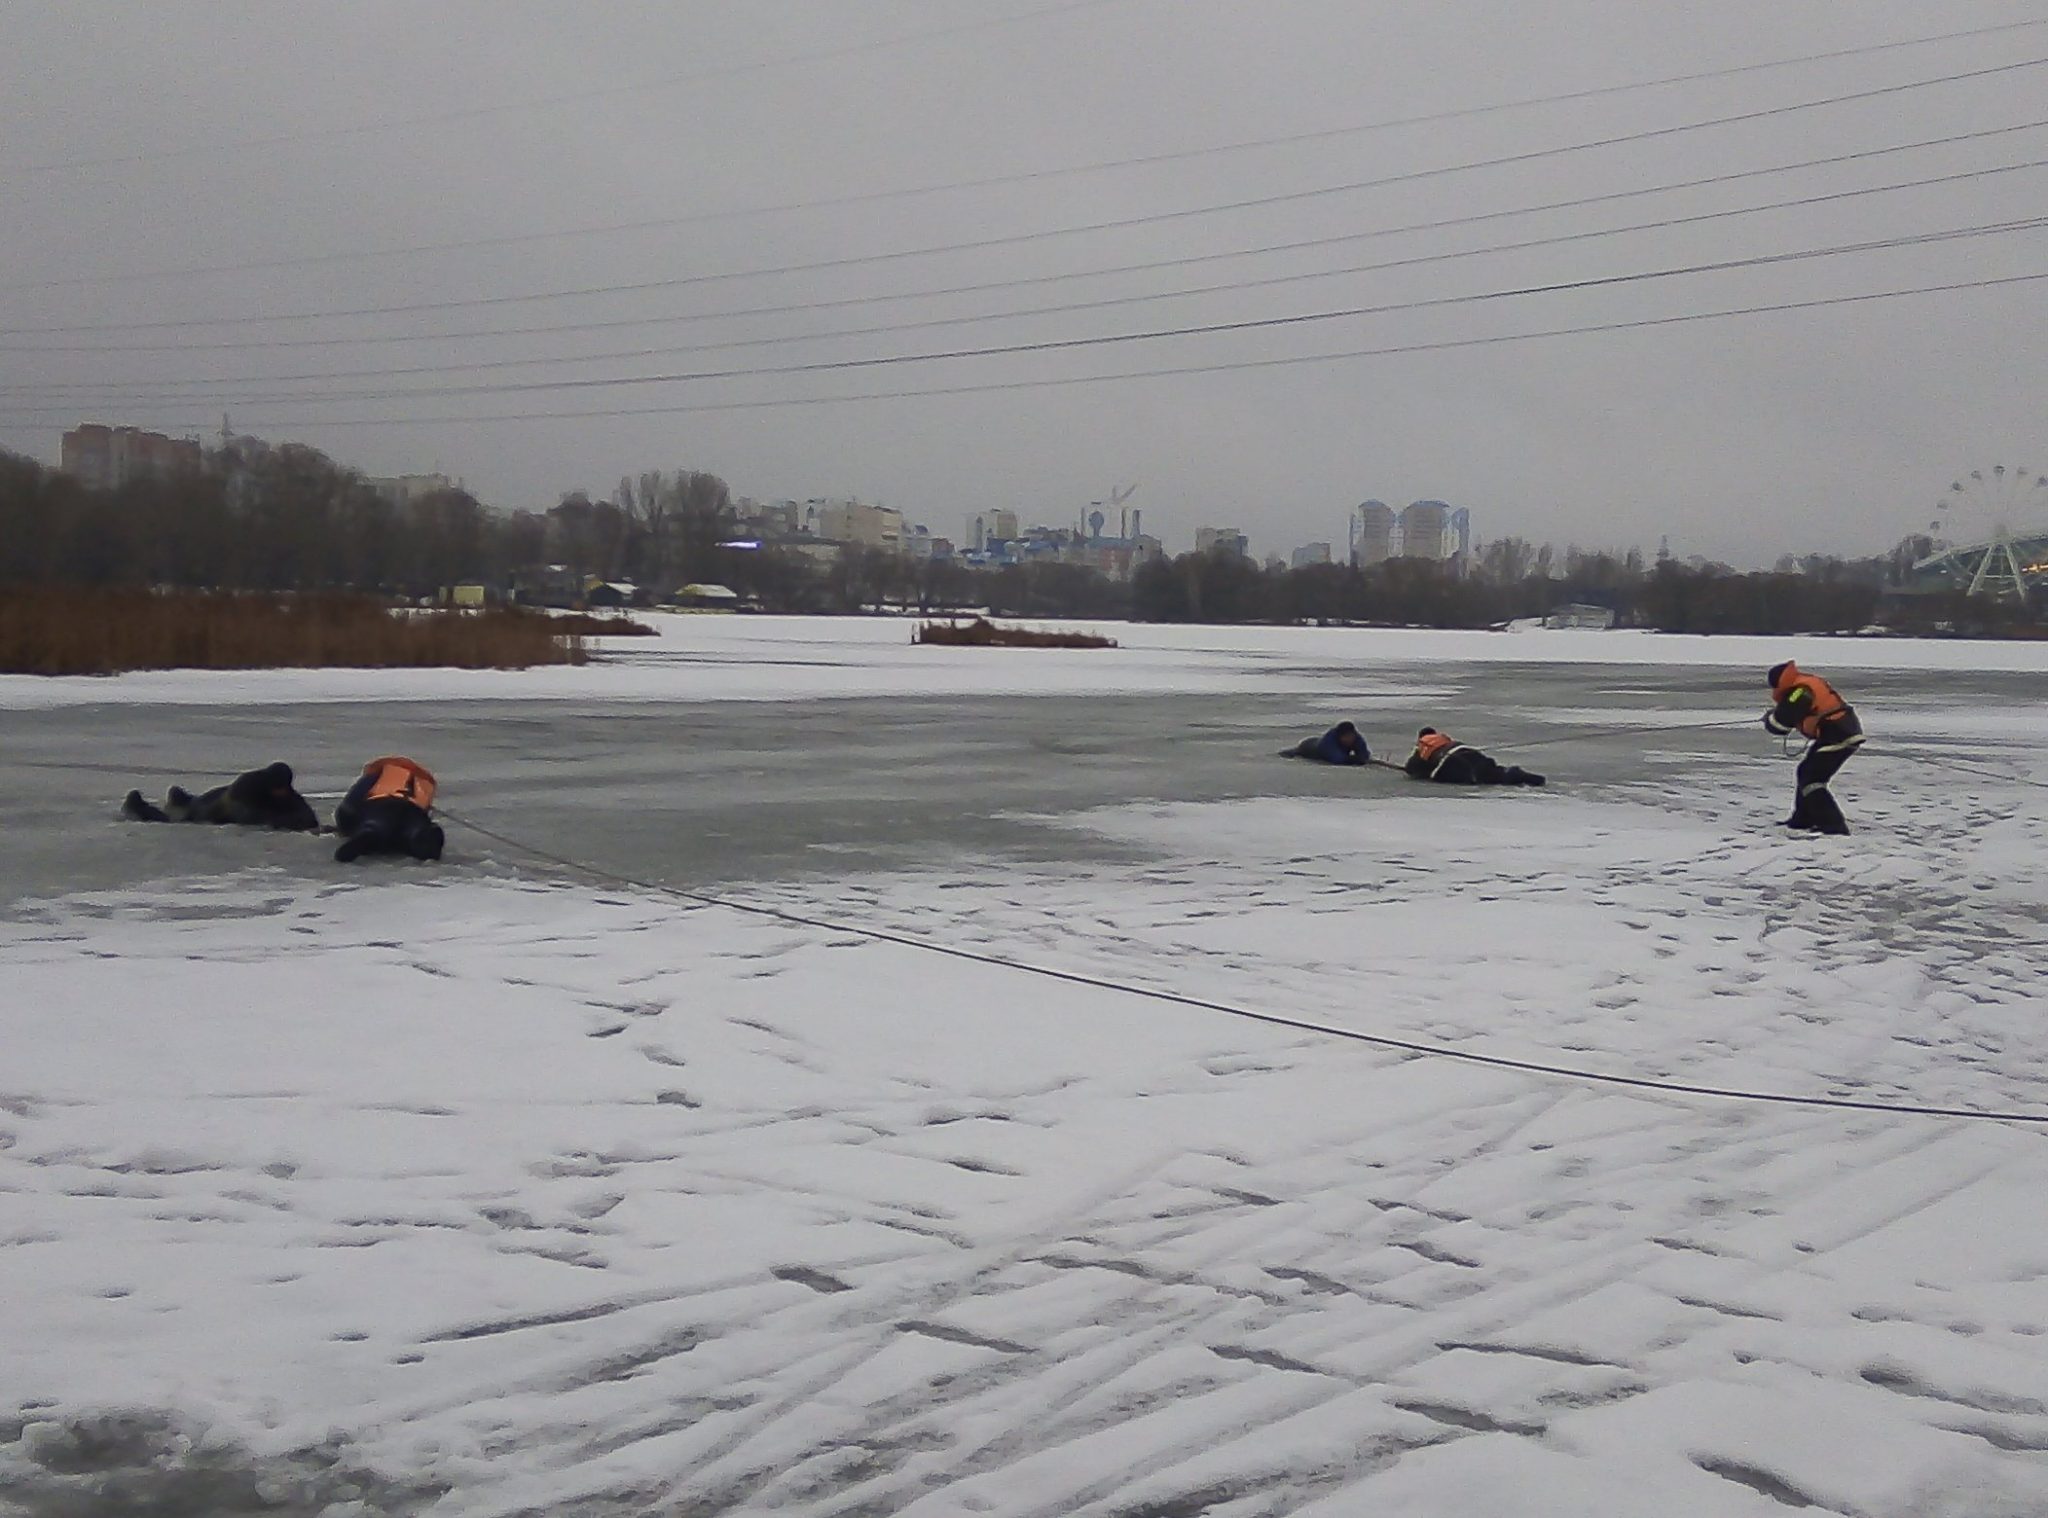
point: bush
(47, 631)
(982, 633)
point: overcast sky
(147, 144)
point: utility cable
(1227, 366)
(1248, 1014)
(1100, 271)
(158, 390)
(1041, 235)
(1200, 329)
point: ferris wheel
(1990, 531)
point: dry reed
(593, 625)
(982, 633)
(67, 631)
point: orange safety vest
(1431, 746)
(1825, 702)
(401, 779)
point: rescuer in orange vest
(1442, 758)
(387, 811)
(1808, 705)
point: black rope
(1272, 1019)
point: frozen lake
(481, 1190)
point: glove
(1773, 726)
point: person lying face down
(387, 812)
(261, 798)
(1342, 744)
(1441, 758)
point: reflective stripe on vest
(400, 779)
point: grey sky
(141, 136)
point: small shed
(708, 597)
(1596, 618)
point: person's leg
(1817, 810)
(208, 806)
(1514, 774)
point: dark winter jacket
(1331, 749)
(262, 798)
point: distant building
(774, 519)
(859, 525)
(1311, 553)
(401, 490)
(1372, 533)
(1426, 531)
(1224, 540)
(987, 530)
(106, 458)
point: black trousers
(1471, 767)
(1814, 808)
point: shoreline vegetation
(982, 633)
(601, 625)
(79, 631)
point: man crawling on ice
(386, 812)
(1342, 744)
(1442, 758)
(259, 799)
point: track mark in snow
(1759, 1481)
(1465, 1418)
(804, 1275)
(1533, 1351)
(1270, 1359)
(952, 1335)
(1896, 1378)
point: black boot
(135, 809)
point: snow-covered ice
(490, 1192)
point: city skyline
(685, 239)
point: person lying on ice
(1342, 744)
(386, 812)
(1808, 705)
(259, 799)
(1441, 758)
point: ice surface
(744, 658)
(485, 1191)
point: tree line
(290, 518)
(1512, 579)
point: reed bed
(65, 631)
(982, 633)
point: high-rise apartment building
(106, 458)
(1372, 533)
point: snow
(750, 658)
(480, 1191)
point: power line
(1201, 329)
(205, 385)
(1214, 367)
(584, 96)
(1180, 261)
(1042, 235)
(871, 197)
(1545, 1068)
